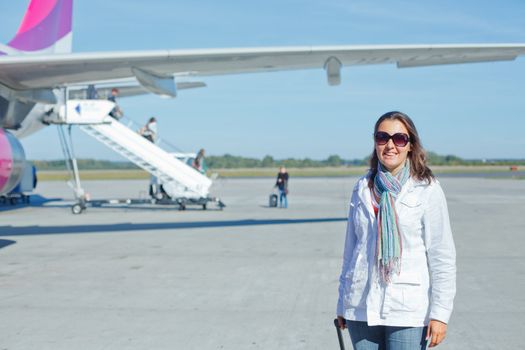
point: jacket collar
(365, 195)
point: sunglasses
(400, 139)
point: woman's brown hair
(417, 155)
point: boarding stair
(169, 170)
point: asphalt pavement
(246, 277)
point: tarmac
(246, 277)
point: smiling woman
(398, 213)
(392, 145)
(405, 144)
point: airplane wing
(150, 67)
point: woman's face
(392, 157)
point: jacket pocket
(411, 201)
(405, 293)
(410, 212)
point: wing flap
(459, 60)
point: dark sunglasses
(400, 139)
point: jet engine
(12, 159)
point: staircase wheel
(77, 209)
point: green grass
(57, 175)
(261, 172)
(462, 169)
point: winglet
(46, 28)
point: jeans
(365, 337)
(283, 201)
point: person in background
(153, 187)
(398, 278)
(199, 163)
(149, 131)
(91, 92)
(116, 112)
(282, 185)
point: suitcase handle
(339, 334)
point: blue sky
(473, 111)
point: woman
(199, 163)
(282, 184)
(149, 131)
(397, 283)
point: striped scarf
(389, 245)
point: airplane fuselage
(33, 121)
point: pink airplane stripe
(37, 11)
(6, 159)
(47, 31)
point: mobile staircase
(185, 185)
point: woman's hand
(437, 331)
(342, 323)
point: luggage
(273, 201)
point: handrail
(133, 125)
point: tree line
(229, 161)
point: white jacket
(426, 285)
